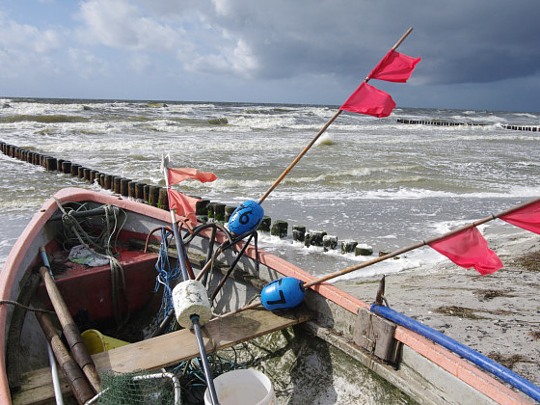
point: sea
(380, 182)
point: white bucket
(242, 387)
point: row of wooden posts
(441, 123)
(206, 210)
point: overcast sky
(476, 54)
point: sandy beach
(498, 315)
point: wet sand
(497, 315)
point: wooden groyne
(443, 123)
(439, 123)
(532, 128)
(156, 196)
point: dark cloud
(459, 41)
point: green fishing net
(139, 388)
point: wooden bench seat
(169, 349)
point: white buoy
(190, 298)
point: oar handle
(70, 329)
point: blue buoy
(284, 293)
(246, 217)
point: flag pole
(416, 245)
(299, 156)
(174, 224)
(318, 135)
(185, 277)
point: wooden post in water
(139, 191)
(75, 169)
(66, 167)
(124, 186)
(51, 164)
(163, 199)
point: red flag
(369, 100)
(175, 176)
(394, 67)
(183, 205)
(468, 249)
(527, 217)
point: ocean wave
(403, 193)
(46, 119)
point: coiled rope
(105, 242)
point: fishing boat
(89, 314)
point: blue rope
(166, 275)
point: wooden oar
(70, 329)
(77, 381)
(318, 135)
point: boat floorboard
(169, 349)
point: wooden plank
(219, 333)
(161, 351)
(37, 388)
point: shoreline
(497, 315)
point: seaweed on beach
(508, 361)
(469, 313)
(535, 334)
(491, 294)
(461, 312)
(530, 261)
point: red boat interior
(95, 295)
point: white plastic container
(242, 387)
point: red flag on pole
(369, 100)
(183, 205)
(175, 176)
(467, 249)
(527, 217)
(394, 67)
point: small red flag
(467, 249)
(369, 100)
(183, 205)
(527, 217)
(175, 176)
(394, 67)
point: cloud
(87, 64)
(27, 38)
(297, 51)
(24, 49)
(120, 24)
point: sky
(476, 54)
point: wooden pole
(77, 381)
(299, 156)
(71, 331)
(416, 245)
(318, 135)
(182, 262)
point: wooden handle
(70, 329)
(82, 390)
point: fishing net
(139, 388)
(167, 275)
